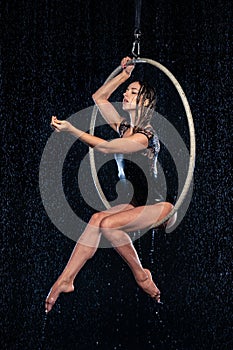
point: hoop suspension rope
(137, 30)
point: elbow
(98, 98)
(94, 96)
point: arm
(134, 143)
(102, 95)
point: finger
(53, 126)
(55, 123)
(124, 61)
(123, 64)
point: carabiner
(136, 43)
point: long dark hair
(147, 95)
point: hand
(60, 125)
(127, 69)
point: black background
(55, 54)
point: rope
(137, 31)
(138, 6)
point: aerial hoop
(192, 151)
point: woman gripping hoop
(135, 136)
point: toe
(49, 303)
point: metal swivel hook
(136, 43)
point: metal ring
(191, 136)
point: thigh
(118, 209)
(91, 234)
(99, 216)
(137, 218)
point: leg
(114, 228)
(84, 249)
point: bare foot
(149, 286)
(60, 286)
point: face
(130, 96)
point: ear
(146, 103)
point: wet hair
(147, 95)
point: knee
(164, 208)
(97, 218)
(106, 227)
(106, 223)
(168, 207)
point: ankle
(66, 278)
(142, 276)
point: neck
(132, 118)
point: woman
(135, 137)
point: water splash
(43, 328)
